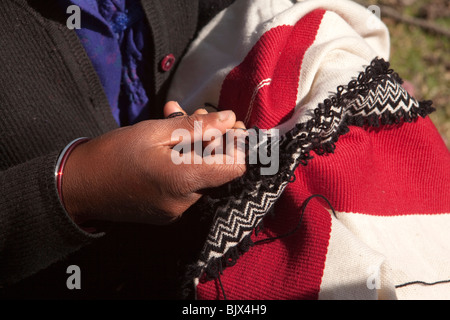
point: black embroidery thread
(421, 282)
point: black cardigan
(50, 94)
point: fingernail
(175, 114)
(225, 115)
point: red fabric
(394, 170)
(277, 55)
(398, 170)
(404, 170)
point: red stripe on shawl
(293, 267)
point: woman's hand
(128, 174)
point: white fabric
(391, 251)
(344, 44)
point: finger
(239, 125)
(200, 111)
(196, 127)
(216, 174)
(173, 109)
(211, 175)
(211, 169)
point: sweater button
(168, 62)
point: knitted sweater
(50, 94)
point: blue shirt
(114, 33)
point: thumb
(173, 109)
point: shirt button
(168, 62)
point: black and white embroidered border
(374, 98)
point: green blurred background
(420, 50)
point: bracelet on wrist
(60, 164)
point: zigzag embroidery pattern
(229, 231)
(376, 95)
(388, 97)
